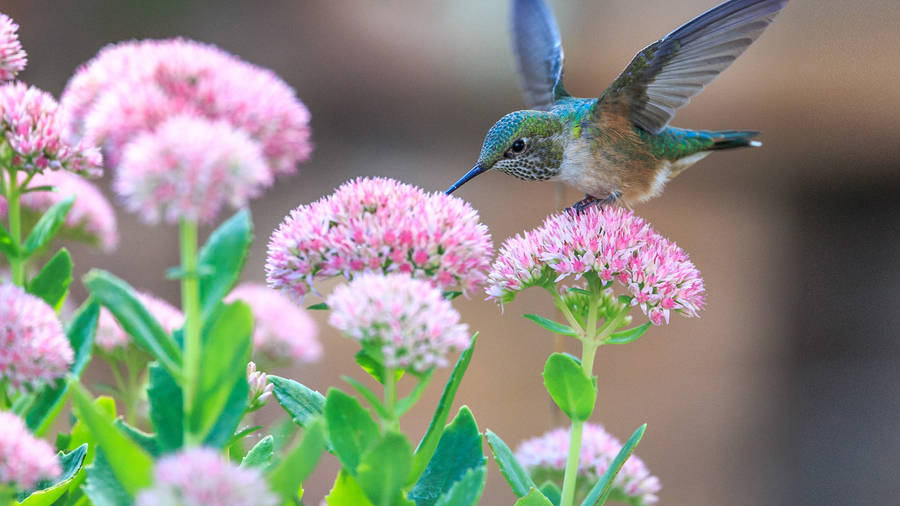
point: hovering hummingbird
(618, 147)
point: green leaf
(346, 492)
(226, 351)
(601, 490)
(50, 398)
(52, 283)
(287, 477)
(47, 225)
(225, 252)
(7, 246)
(384, 469)
(302, 403)
(515, 474)
(48, 491)
(121, 300)
(534, 498)
(551, 491)
(581, 291)
(458, 451)
(318, 307)
(373, 366)
(129, 462)
(450, 295)
(552, 326)
(223, 431)
(429, 441)
(467, 490)
(570, 387)
(630, 335)
(103, 487)
(166, 409)
(351, 429)
(146, 441)
(368, 395)
(405, 404)
(261, 453)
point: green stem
(17, 264)
(190, 304)
(390, 399)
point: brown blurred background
(786, 391)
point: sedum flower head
(544, 457)
(407, 320)
(132, 87)
(611, 243)
(12, 56)
(380, 225)
(260, 388)
(31, 125)
(24, 459)
(201, 477)
(111, 336)
(284, 332)
(91, 217)
(33, 346)
(189, 168)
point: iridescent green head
(524, 144)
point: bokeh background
(786, 391)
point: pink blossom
(132, 87)
(201, 477)
(33, 346)
(91, 217)
(31, 125)
(24, 459)
(260, 388)
(12, 56)
(545, 456)
(380, 225)
(611, 243)
(111, 336)
(409, 319)
(284, 332)
(189, 168)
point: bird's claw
(588, 201)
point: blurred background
(786, 391)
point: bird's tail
(733, 139)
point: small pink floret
(12, 56)
(24, 459)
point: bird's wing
(539, 53)
(668, 73)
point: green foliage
(261, 454)
(286, 478)
(346, 492)
(467, 490)
(48, 491)
(52, 282)
(384, 469)
(552, 326)
(166, 409)
(368, 395)
(515, 474)
(351, 428)
(222, 432)
(47, 226)
(533, 498)
(7, 245)
(551, 491)
(570, 387)
(600, 493)
(224, 254)
(146, 441)
(302, 403)
(103, 487)
(628, 336)
(371, 363)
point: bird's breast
(580, 169)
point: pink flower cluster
(598, 448)
(284, 332)
(610, 242)
(189, 168)
(31, 124)
(33, 346)
(409, 319)
(380, 225)
(201, 477)
(12, 56)
(24, 459)
(111, 336)
(260, 388)
(132, 87)
(91, 217)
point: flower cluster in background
(24, 459)
(12, 56)
(612, 243)
(407, 319)
(545, 456)
(33, 346)
(380, 225)
(111, 336)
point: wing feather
(539, 53)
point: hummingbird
(618, 147)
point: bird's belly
(579, 169)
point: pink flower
(189, 168)
(544, 457)
(409, 319)
(201, 477)
(24, 459)
(611, 243)
(91, 217)
(111, 336)
(132, 87)
(33, 346)
(284, 332)
(12, 56)
(260, 388)
(380, 225)
(31, 125)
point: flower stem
(190, 305)
(390, 399)
(17, 264)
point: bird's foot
(588, 201)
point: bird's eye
(518, 146)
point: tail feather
(733, 139)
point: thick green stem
(190, 305)
(390, 399)
(17, 264)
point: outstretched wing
(668, 73)
(539, 53)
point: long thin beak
(478, 169)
